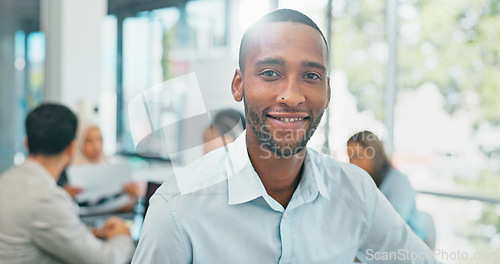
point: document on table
(98, 181)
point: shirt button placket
(286, 239)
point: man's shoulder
(14, 173)
(23, 180)
(30, 195)
(341, 176)
(336, 168)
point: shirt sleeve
(57, 229)
(161, 238)
(390, 239)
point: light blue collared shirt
(221, 213)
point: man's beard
(284, 148)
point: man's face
(285, 87)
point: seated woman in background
(367, 151)
(228, 122)
(89, 150)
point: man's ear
(329, 91)
(237, 85)
(26, 143)
(70, 149)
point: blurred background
(423, 75)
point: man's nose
(291, 93)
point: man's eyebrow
(275, 61)
(314, 65)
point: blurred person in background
(90, 144)
(229, 123)
(89, 151)
(367, 151)
(39, 222)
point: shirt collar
(35, 166)
(245, 185)
(312, 181)
(243, 182)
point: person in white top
(39, 221)
(89, 151)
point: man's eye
(269, 73)
(312, 76)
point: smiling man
(266, 198)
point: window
(447, 119)
(35, 68)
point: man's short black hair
(50, 128)
(280, 15)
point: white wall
(73, 60)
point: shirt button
(284, 216)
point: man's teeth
(290, 119)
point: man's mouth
(290, 116)
(289, 120)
